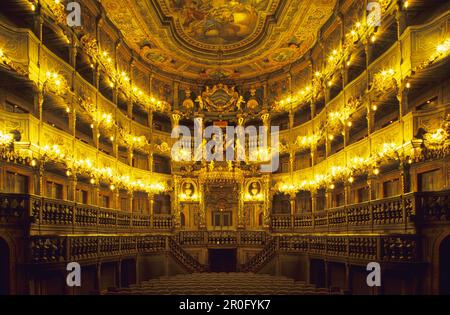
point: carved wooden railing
(163, 222)
(235, 238)
(43, 212)
(391, 248)
(263, 257)
(184, 258)
(62, 249)
(431, 206)
(16, 208)
(399, 213)
(82, 249)
(395, 247)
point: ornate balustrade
(163, 222)
(62, 249)
(401, 213)
(260, 259)
(184, 257)
(208, 238)
(431, 206)
(17, 208)
(391, 248)
(44, 213)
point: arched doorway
(4, 267)
(444, 266)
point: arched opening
(317, 273)
(128, 272)
(4, 267)
(444, 266)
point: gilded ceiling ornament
(252, 103)
(188, 103)
(247, 32)
(221, 98)
(155, 56)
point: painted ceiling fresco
(218, 39)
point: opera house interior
(353, 169)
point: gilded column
(329, 197)
(130, 198)
(175, 203)
(314, 200)
(241, 210)
(151, 201)
(347, 193)
(72, 191)
(267, 201)
(202, 210)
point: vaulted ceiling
(219, 39)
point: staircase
(263, 257)
(221, 284)
(184, 258)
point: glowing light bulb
(376, 171)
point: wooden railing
(83, 249)
(17, 208)
(392, 248)
(260, 259)
(42, 213)
(184, 258)
(62, 249)
(210, 238)
(395, 247)
(431, 206)
(401, 213)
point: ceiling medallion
(208, 24)
(218, 74)
(155, 56)
(254, 37)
